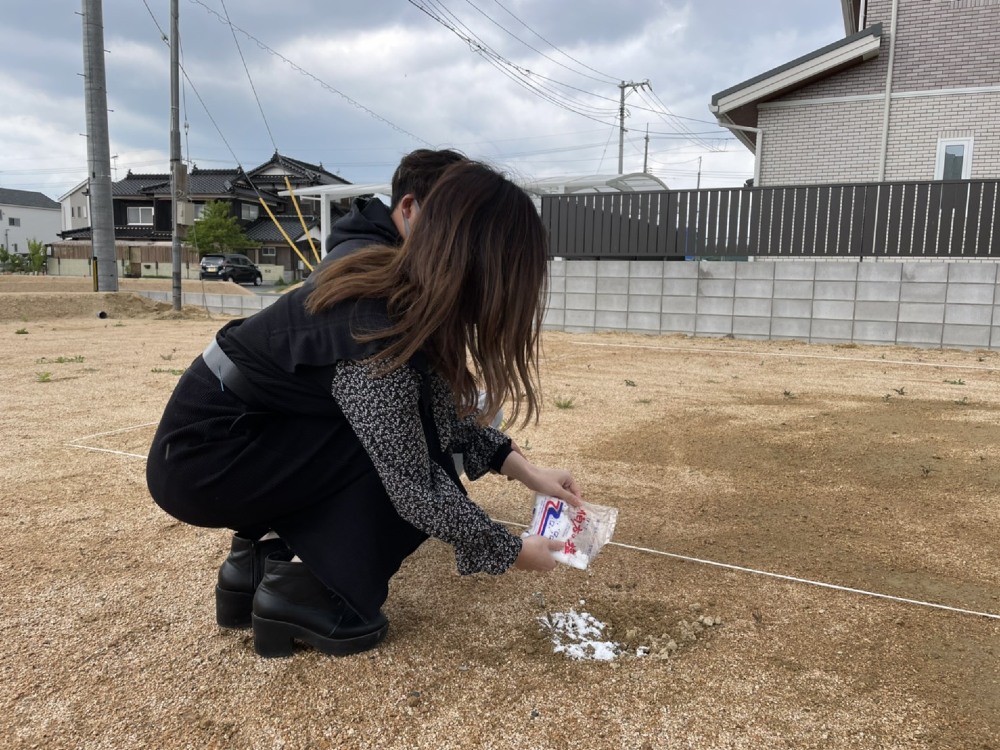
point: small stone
(535, 713)
(631, 634)
(671, 645)
(707, 622)
(413, 698)
(695, 607)
(538, 599)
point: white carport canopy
(621, 183)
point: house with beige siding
(912, 92)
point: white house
(76, 207)
(27, 215)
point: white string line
(789, 355)
(673, 555)
(106, 450)
(115, 432)
(794, 579)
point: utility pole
(635, 86)
(697, 185)
(645, 153)
(102, 224)
(178, 172)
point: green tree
(218, 231)
(4, 257)
(36, 256)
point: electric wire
(437, 12)
(534, 49)
(484, 49)
(249, 77)
(299, 69)
(611, 79)
(605, 151)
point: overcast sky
(530, 86)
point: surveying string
(783, 577)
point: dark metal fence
(885, 219)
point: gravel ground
(868, 468)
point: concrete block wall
(237, 305)
(923, 304)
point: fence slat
(904, 233)
(986, 220)
(683, 234)
(642, 236)
(885, 241)
(668, 220)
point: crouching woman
(320, 430)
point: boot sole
(233, 609)
(273, 638)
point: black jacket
(288, 356)
(368, 223)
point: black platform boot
(239, 577)
(291, 604)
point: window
(199, 210)
(954, 159)
(267, 252)
(14, 222)
(250, 211)
(140, 215)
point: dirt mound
(29, 306)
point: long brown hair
(468, 285)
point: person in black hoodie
(370, 222)
(330, 417)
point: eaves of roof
(128, 232)
(737, 104)
(264, 230)
(26, 199)
(312, 172)
(136, 185)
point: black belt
(229, 375)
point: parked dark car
(230, 267)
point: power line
(437, 11)
(484, 49)
(611, 79)
(534, 49)
(249, 77)
(315, 78)
(505, 66)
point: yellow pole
(285, 235)
(302, 221)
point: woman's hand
(556, 483)
(536, 554)
(552, 482)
